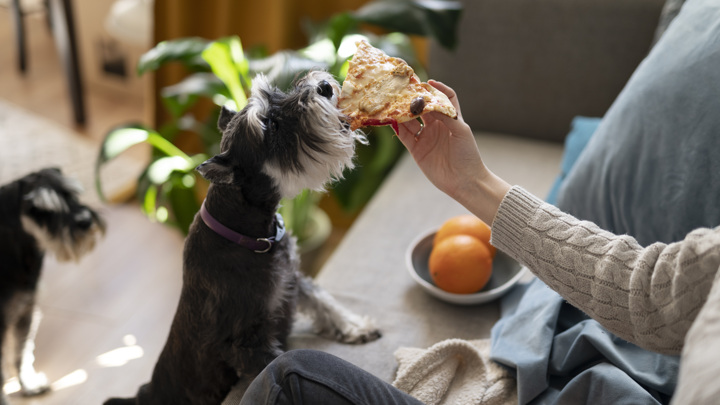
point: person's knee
(295, 360)
(266, 386)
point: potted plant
(169, 189)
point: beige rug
(29, 143)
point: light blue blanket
(561, 356)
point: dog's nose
(325, 89)
(83, 219)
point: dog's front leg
(3, 330)
(31, 382)
(253, 349)
(250, 352)
(330, 318)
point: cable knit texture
(648, 296)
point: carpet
(29, 142)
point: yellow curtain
(275, 24)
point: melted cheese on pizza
(382, 90)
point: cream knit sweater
(664, 297)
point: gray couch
(527, 67)
(523, 69)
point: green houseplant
(169, 189)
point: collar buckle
(269, 245)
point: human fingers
(428, 119)
(456, 126)
(449, 92)
(407, 132)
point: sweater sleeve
(649, 296)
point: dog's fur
(236, 307)
(39, 213)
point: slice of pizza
(383, 90)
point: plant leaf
(184, 50)
(180, 97)
(149, 201)
(198, 84)
(375, 161)
(284, 67)
(183, 203)
(388, 150)
(177, 106)
(228, 63)
(160, 170)
(335, 28)
(122, 138)
(297, 213)
(339, 26)
(431, 18)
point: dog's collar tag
(259, 245)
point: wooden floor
(107, 317)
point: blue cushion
(581, 129)
(652, 169)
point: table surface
(368, 274)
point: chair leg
(63, 25)
(48, 17)
(17, 16)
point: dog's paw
(357, 329)
(34, 383)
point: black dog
(38, 213)
(241, 282)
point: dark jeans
(318, 378)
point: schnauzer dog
(241, 283)
(38, 213)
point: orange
(460, 264)
(466, 225)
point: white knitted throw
(454, 372)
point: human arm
(648, 296)
(448, 155)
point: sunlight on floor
(113, 358)
(120, 356)
(77, 377)
(11, 386)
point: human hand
(447, 153)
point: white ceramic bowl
(505, 274)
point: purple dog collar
(259, 245)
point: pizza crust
(383, 90)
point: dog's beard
(328, 149)
(65, 244)
(318, 167)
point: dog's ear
(217, 169)
(225, 116)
